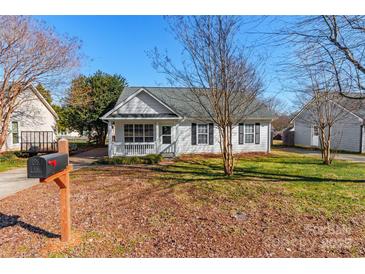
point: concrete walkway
(357, 158)
(15, 180)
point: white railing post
(134, 149)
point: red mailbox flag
(52, 163)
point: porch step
(168, 154)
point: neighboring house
(347, 134)
(148, 120)
(32, 124)
(288, 136)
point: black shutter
(257, 133)
(211, 134)
(193, 134)
(240, 134)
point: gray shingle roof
(356, 106)
(178, 99)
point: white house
(347, 133)
(32, 124)
(148, 120)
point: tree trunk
(327, 159)
(2, 140)
(326, 146)
(100, 138)
(227, 154)
(4, 129)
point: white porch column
(177, 125)
(110, 139)
(157, 142)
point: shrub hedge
(131, 160)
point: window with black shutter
(257, 133)
(249, 133)
(240, 134)
(193, 134)
(202, 134)
(211, 134)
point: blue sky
(119, 44)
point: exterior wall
(181, 133)
(143, 103)
(185, 146)
(31, 115)
(346, 134)
(302, 133)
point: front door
(166, 139)
(315, 136)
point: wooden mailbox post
(60, 174)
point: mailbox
(47, 165)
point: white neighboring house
(148, 120)
(347, 134)
(32, 124)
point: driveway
(88, 157)
(16, 180)
(358, 158)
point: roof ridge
(157, 87)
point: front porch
(141, 149)
(140, 138)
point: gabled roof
(44, 101)
(177, 99)
(354, 106)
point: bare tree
(341, 43)
(223, 85)
(29, 52)
(322, 106)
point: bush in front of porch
(131, 160)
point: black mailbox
(47, 165)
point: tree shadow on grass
(202, 172)
(191, 172)
(13, 220)
(185, 171)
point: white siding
(31, 115)
(181, 133)
(345, 134)
(185, 146)
(143, 103)
(302, 134)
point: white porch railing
(133, 149)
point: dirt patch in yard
(138, 211)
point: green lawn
(278, 205)
(8, 160)
(297, 183)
